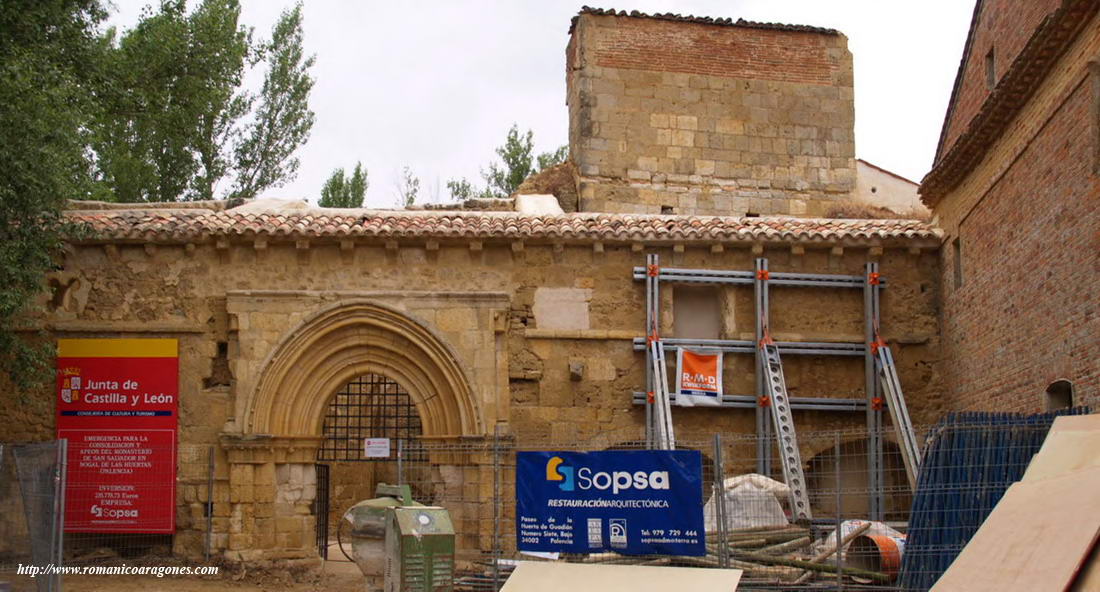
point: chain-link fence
(969, 461)
(31, 489)
(122, 495)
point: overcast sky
(436, 85)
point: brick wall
(1003, 26)
(704, 119)
(1026, 313)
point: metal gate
(368, 406)
(321, 509)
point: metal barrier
(32, 488)
(748, 516)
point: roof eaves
(1035, 61)
(702, 20)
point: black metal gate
(321, 509)
(370, 406)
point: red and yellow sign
(698, 378)
(118, 406)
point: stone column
(272, 485)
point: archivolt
(350, 339)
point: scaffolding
(771, 403)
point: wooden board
(1089, 578)
(536, 576)
(1072, 444)
(1036, 539)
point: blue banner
(643, 502)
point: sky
(435, 85)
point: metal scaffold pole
(875, 472)
(650, 307)
(763, 426)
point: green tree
(517, 162)
(461, 189)
(517, 159)
(408, 187)
(342, 191)
(47, 66)
(175, 123)
(549, 159)
(266, 156)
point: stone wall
(1020, 256)
(542, 331)
(707, 119)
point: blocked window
(956, 255)
(990, 70)
(1059, 395)
(696, 313)
(1094, 116)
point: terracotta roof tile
(198, 225)
(703, 20)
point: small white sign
(376, 447)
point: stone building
(475, 323)
(697, 116)
(1015, 189)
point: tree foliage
(174, 122)
(343, 191)
(47, 66)
(517, 162)
(408, 187)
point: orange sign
(698, 378)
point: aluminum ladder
(777, 399)
(899, 413)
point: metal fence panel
(31, 490)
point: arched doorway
(369, 406)
(282, 419)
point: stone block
(729, 126)
(681, 137)
(240, 541)
(562, 308)
(704, 167)
(687, 122)
(456, 319)
(658, 120)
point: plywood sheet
(1036, 539)
(1089, 578)
(532, 576)
(1072, 444)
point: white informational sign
(698, 378)
(376, 447)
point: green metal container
(420, 550)
(368, 526)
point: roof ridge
(703, 20)
(138, 225)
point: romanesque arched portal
(353, 339)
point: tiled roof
(704, 20)
(333, 224)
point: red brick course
(695, 48)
